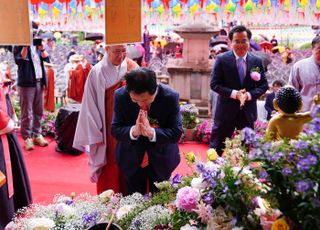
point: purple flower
(137, 224)
(90, 218)
(255, 153)
(234, 221)
(316, 111)
(303, 164)
(303, 186)
(208, 198)
(277, 156)
(301, 145)
(225, 189)
(208, 175)
(315, 149)
(312, 159)
(176, 179)
(266, 146)
(69, 202)
(263, 174)
(291, 156)
(315, 202)
(286, 171)
(315, 124)
(248, 134)
(220, 161)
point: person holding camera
(31, 83)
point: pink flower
(187, 198)
(255, 76)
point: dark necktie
(240, 64)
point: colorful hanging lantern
(177, 10)
(35, 2)
(165, 3)
(318, 4)
(231, 7)
(48, 1)
(248, 6)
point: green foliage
(180, 218)
(305, 46)
(16, 106)
(85, 42)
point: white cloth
(262, 112)
(36, 62)
(91, 126)
(305, 77)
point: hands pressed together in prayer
(242, 96)
(142, 126)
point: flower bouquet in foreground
(291, 170)
(255, 185)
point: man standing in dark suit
(147, 125)
(239, 79)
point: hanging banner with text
(15, 25)
(123, 21)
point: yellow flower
(280, 224)
(212, 154)
(190, 157)
(72, 195)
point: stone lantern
(190, 75)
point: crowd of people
(129, 124)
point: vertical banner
(123, 21)
(15, 25)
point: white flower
(63, 199)
(276, 144)
(188, 227)
(236, 169)
(123, 211)
(106, 195)
(197, 183)
(65, 210)
(228, 144)
(293, 142)
(40, 224)
(238, 152)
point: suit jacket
(269, 104)
(225, 78)
(164, 153)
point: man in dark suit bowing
(239, 79)
(147, 125)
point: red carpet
(51, 172)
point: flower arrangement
(48, 124)
(255, 185)
(203, 132)
(64, 213)
(189, 113)
(291, 169)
